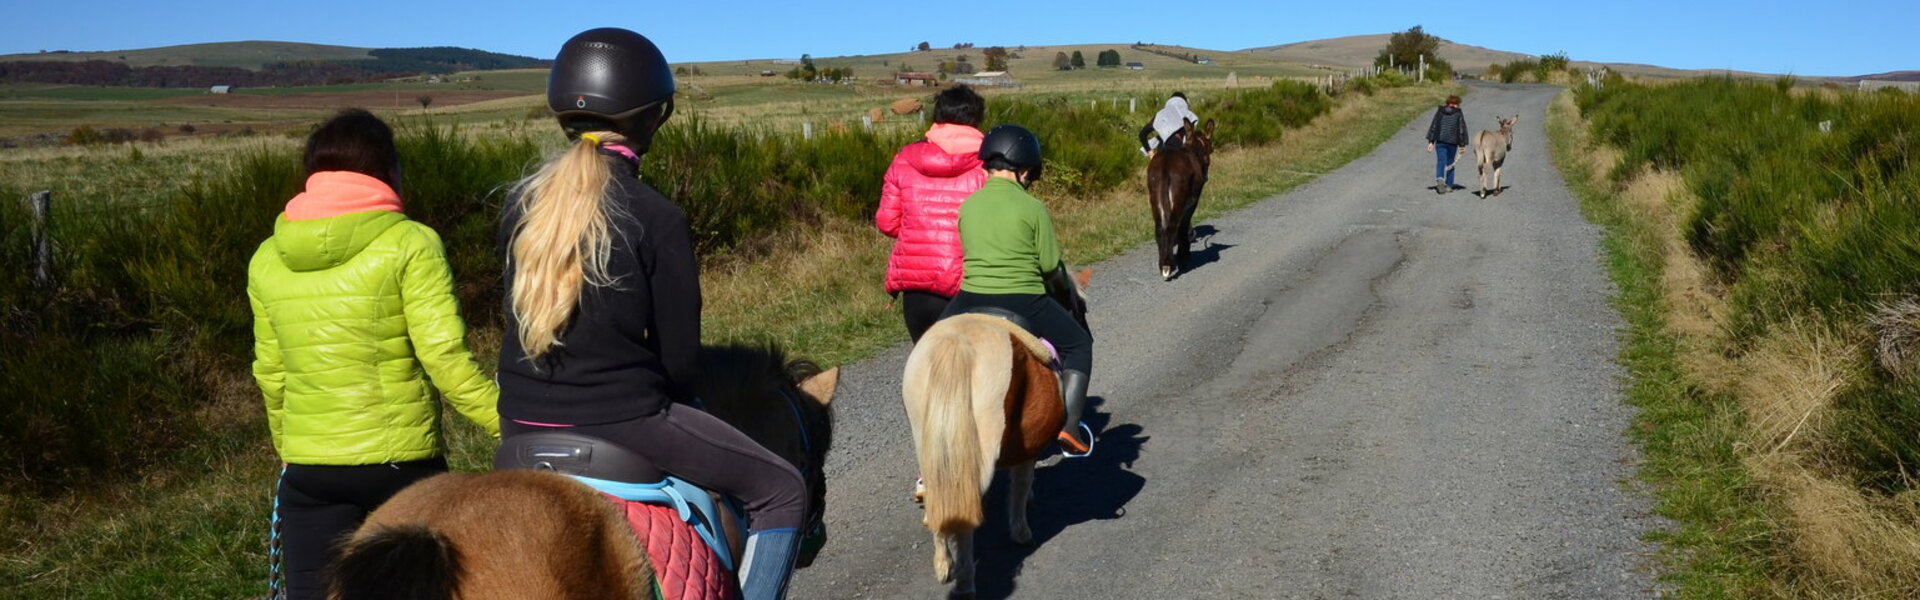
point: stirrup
(1070, 447)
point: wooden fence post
(42, 205)
(806, 131)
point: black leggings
(318, 505)
(1048, 318)
(921, 309)
(700, 448)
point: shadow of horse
(1074, 491)
(1175, 177)
(1209, 251)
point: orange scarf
(335, 193)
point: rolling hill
(245, 55)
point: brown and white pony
(1490, 150)
(980, 396)
(537, 535)
(1175, 177)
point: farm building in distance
(988, 79)
(1136, 66)
(220, 89)
(908, 77)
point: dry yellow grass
(1838, 541)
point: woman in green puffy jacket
(353, 315)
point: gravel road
(1362, 389)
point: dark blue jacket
(1449, 127)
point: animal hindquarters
(404, 561)
(1160, 190)
(512, 534)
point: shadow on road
(1207, 252)
(1069, 492)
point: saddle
(678, 523)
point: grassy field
(1767, 270)
(193, 525)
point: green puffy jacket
(351, 314)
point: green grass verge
(1719, 545)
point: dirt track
(1362, 389)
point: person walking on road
(1448, 135)
(353, 315)
(920, 207)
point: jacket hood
(931, 161)
(316, 244)
(1448, 109)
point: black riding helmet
(1013, 148)
(611, 79)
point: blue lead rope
(275, 581)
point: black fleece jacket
(1449, 127)
(631, 347)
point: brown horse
(1175, 177)
(524, 534)
(980, 396)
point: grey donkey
(1490, 150)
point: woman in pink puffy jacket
(920, 207)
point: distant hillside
(1359, 50)
(250, 64)
(1893, 76)
(245, 55)
(263, 55)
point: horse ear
(822, 386)
(1084, 276)
(1210, 125)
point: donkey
(1490, 150)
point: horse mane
(754, 388)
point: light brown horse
(1175, 177)
(1490, 150)
(536, 535)
(980, 396)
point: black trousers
(319, 505)
(921, 309)
(700, 448)
(1049, 319)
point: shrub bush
(1798, 223)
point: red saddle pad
(686, 567)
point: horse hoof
(1166, 273)
(1022, 536)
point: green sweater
(351, 316)
(1008, 240)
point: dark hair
(1453, 99)
(356, 141)
(1180, 95)
(959, 105)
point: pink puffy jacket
(920, 208)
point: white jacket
(1172, 118)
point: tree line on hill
(386, 63)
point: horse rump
(398, 561)
(950, 453)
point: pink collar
(335, 193)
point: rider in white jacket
(1167, 122)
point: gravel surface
(1362, 389)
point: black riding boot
(1075, 439)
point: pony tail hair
(405, 561)
(563, 241)
(950, 456)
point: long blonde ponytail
(563, 240)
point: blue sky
(1844, 38)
